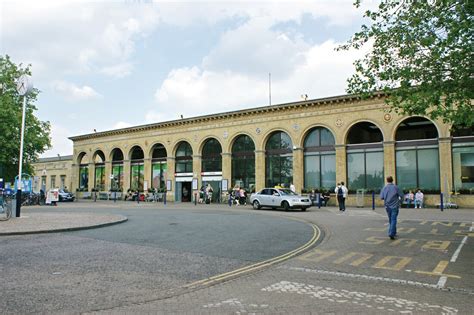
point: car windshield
(287, 192)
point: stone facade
(54, 172)
(337, 114)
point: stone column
(147, 172)
(259, 169)
(126, 175)
(197, 169)
(227, 168)
(298, 169)
(108, 172)
(170, 161)
(389, 165)
(74, 177)
(445, 165)
(91, 176)
(341, 164)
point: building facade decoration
(311, 144)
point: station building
(312, 143)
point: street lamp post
(24, 86)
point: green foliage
(37, 132)
(422, 57)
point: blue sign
(25, 185)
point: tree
(37, 132)
(422, 58)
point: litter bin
(360, 200)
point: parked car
(65, 195)
(279, 198)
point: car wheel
(256, 204)
(303, 209)
(60, 198)
(285, 205)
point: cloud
(121, 124)
(73, 93)
(75, 37)
(60, 144)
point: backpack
(340, 193)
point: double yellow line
(260, 265)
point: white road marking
(374, 301)
(365, 277)
(442, 282)
(458, 250)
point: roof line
(241, 112)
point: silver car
(279, 198)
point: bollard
(115, 196)
(230, 200)
(319, 201)
(195, 199)
(373, 200)
(95, 196)
(441, 205)
(138, 197)
(164, 198)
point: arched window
(184, 158)
(243, 163)
(319, 160)
(463, 160)
(137, 174)
(211, 156)
(365, 157)
(83, 172)
(99, 164)
(279, 160)
(159, 167)
(417, 156)
(117, 170)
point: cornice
(348, 98)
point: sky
(109, 64)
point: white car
(279, 198)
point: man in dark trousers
(391, 195)
(341, 194)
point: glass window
(418, 168)
(84, 177)
(365, 170)
(243, 163)
(100, 177)
(463, 169)
(63, 182)
(137, 178)
(184, 158)
(211, 156)
(158, 175)
(406, 169)
(53, 181)
(159, 152)
(319, 160)
(117, 172)
(279, 160)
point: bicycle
(6, 208)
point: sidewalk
(31, 222)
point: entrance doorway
(183, 191)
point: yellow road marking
(269, 262)
(409, 242)
(356, 262)
(438, 270)
(438, 245)
(382, 263)
(317, 255)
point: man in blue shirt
(391, 195)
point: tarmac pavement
(354, 268)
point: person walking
(341, 193)
(391, 195)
